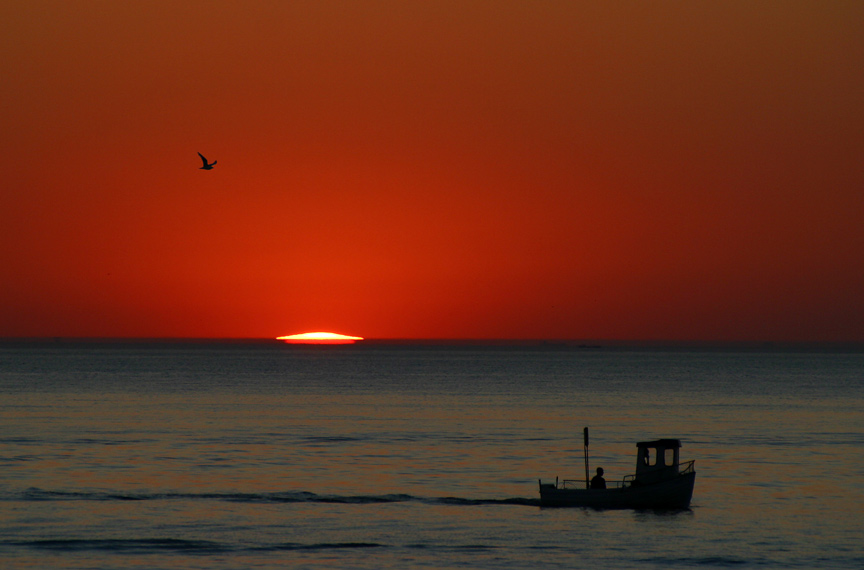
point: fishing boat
(661, 481)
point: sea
(263, 455)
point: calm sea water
(273, 456)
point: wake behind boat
(660, 482)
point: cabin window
(669, 457)
(650, 458)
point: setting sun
(319, 338)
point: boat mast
(587, 481)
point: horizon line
(564, 342)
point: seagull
(206, 165)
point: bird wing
(214, 162)
(202, 158)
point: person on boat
(598, 482)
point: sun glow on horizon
(319, 338)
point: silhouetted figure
(598, 482)
(207, 166)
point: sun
(319, 338)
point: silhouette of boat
(664, 484)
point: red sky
(443, 169)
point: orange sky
(443, 169)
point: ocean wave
(694, 562)
(35, 494)
(147, 545)
(125, 545)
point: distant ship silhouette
(207, 166)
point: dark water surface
(270, 456)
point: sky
(439, 169)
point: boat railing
(580, 484)
(627, 481)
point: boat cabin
(661, 481)
(656, 460)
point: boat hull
(672, 493)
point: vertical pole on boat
(587, 481)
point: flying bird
(207, 166)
